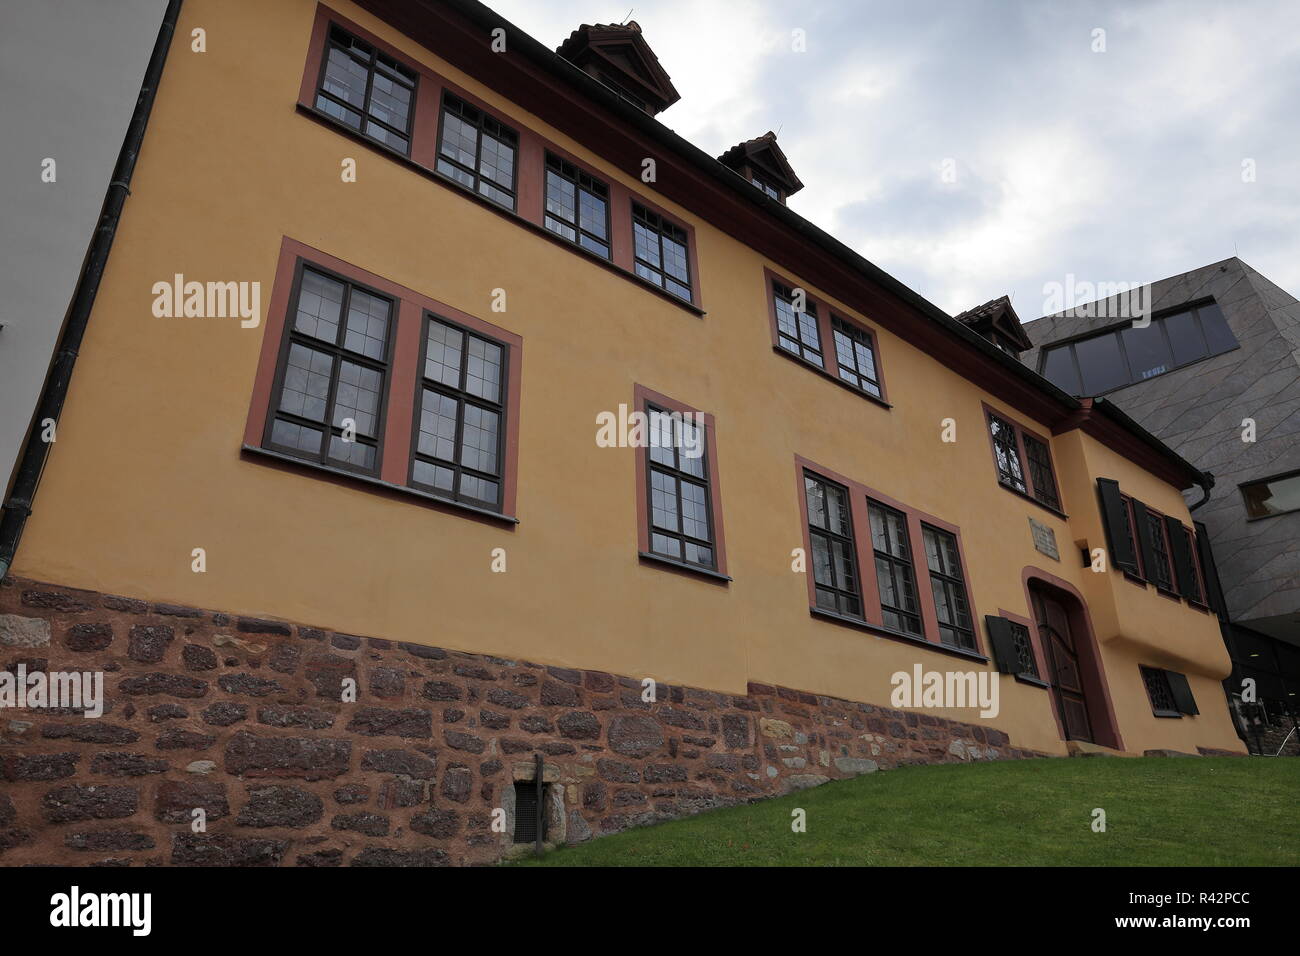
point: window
(660, 252)
(366, 90)
(477, 151)
(1159, 573)
(1157, 684)
(1013, 446)
(363, 378)
(949, 587)
(1024, 650)
(680, 513)
(327, 405)
(796, 328)
(1128, 354)
(577, 206)
(460, 424)
(1040, 471)
(764, 186)
(830, 528)
(1013, 649)
(1101, 364)
(1272, 496)
(890, 600)
(1007, 452)
(845, 350)
(1148, 351)
(855, 353)
(1169, 692)
(895, 575)
(1059, 369)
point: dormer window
(997, 321)
(763, 163)
(618, 56)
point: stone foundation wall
(246, 719)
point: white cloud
(1115, 166)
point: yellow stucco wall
(147, 464)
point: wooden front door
(1063, 672)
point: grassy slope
(1209, 811)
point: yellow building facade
(171, 482)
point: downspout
(1206, 482)
(27, 477)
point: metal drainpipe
(28, 475)
(1206, 483)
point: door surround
(1096, 690)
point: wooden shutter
(1005, 654)
(1183, 698)
(1184, 563)
(1142, 527)
(1213, 589)
(1115, 518)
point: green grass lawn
(1209, 811)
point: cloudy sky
(1117, 166)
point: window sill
(1276, 514)
(1171, 595)
(351, 477)
(882, 631)
(1034, 501)
(536, 228)
(831, 378)
(651, 558)
(1171, 714)
(1032, 681)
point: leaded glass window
(681, 519)
(948, 585)
(834, 564)
(366, 90)
(333, 368)
(477, 151)
(460, 427)
(895, 574)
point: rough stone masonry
(244, 718)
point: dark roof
(763, 153)
(996, 313)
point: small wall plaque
(1044, 539)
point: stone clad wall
(245, 718)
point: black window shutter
(1182, 693)
(1005, 654)
(1144, 539)
(1184, 565)
(1213, 589)
(1115, 517)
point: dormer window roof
(763, 163)
(997, 321)
(618, 55)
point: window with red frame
(1013, 448)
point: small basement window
(526, 811)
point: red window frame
(1021, 430)
(865, 558)
(825, 313)
(401, 398)
(643, 398)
